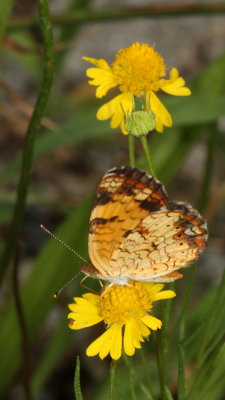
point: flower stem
(113, 369)
(29, 140)
(144, 143)
(131, 150)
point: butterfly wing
(136, 232)
(162, 243)
(125, 196)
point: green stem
(29, 140)
(131, 150)
(113, 369)
(152, 11)
(144, 143)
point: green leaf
(196, 109)
(211, 81)
(52, 269)
(55, 347)
(77, 387)
(167, 394)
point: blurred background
(73, 150)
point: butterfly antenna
(63, 243)
(56, 294)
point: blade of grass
(181, 389)
(209, 323)
(148, 378)
(168, 394)
(77, 387)
(208, 376)
(129, 363)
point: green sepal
(140, 123)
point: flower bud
(140, 123)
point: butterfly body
(137, 233)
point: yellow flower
(137, 70)
(124, 310)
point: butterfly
(137, 233)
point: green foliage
(77, 388)
(196, 341)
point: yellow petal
(165, 294)
(152, 322)
(153, 287)
(85, 311)
(133, 335)
(81, 305)
(109, 342)
(116, 109)
(92, 298)
(105, 80)
(162, 116)
(156, 293)
(175, 85)
(79, 323)
(100, 63)
(102, 76)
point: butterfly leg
(86, 287)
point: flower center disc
(138, 68)
(120, 303)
